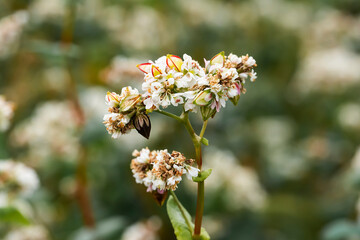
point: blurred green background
(284, 159)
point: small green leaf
(178, 221)
(205, 141)
(202, 175)
(12, 215)
(204, 235)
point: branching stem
(184, 118)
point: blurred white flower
(35, 232)
(49, 133)
(349, 116)
(43, 9)
(122, 69)
(6, 113)
(143, 230)
(239, 185)
(11, 28)
(91, 100)
(273, 131)
(16, 178)
(330, 71)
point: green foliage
(12, 215)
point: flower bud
(235, 99)
(203, 98)
(207, 112)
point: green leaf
(178, 220)
(12, 215)
(205, 141)
(202, 175)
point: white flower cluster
(171, 80)
(49, 133)
(6, 113)
(10, 29)
(16, 178)
(126, 111)
(160, 170)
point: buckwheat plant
(180, 82)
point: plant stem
(184, 118)
(169, 115)
(199, 209)
(81, 178)
(203, 129)
(182, 210)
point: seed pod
(142, 124)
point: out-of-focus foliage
(284, 159)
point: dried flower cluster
(160, 170)
(126, 111)
(171, 80)
(10, 29)
(16, 178)
(6, 113)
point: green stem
(199, 209)
(184, 118)
(203, 129)
(169, 115)
(182, 210)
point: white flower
(250, 62)
(229, 73)
(17, 173)
(158, 184)
(191, 172)
(144, 156)
(234, 59)
(172, 181)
